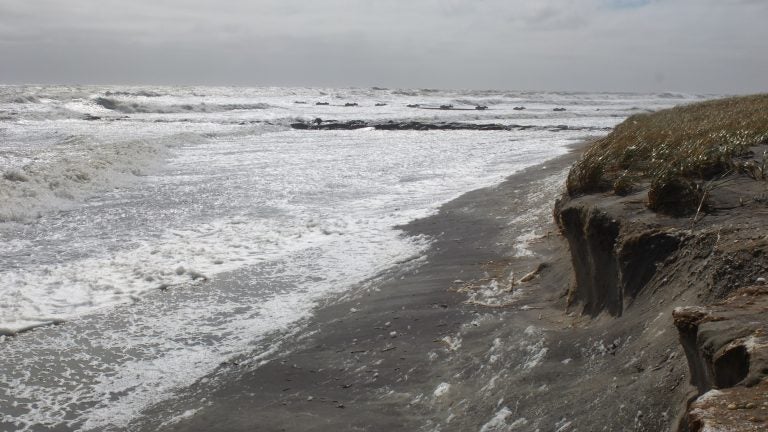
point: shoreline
(369, 352)
(637, 301)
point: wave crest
(127, 107)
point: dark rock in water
(518, 108)
(322, 103)
(319, 124)
(353, 124)
(299, 102)
(481, 107)
(413, 105)
(392, 125)
(351, 104)
(381, 104)
(559, 109)
(91, 117)
(446, 107)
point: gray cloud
(638, 45)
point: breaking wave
(671, 95)
(127, 107)
(25, 100)
(85, 168)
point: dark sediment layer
(320, 124)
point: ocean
(149, 234)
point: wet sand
(408, 351)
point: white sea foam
(535, 349)
(441, 390)
(499, 422)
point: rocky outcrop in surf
(320, 124)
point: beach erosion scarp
(670, 232)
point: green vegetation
(674, 151)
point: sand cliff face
(704, 279)
(613, 259)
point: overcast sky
(710, 46)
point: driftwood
(533, 274)
(490, 305)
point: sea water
(148, 234)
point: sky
(695, 46)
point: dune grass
(673, 151)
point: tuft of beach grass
(673, 151)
